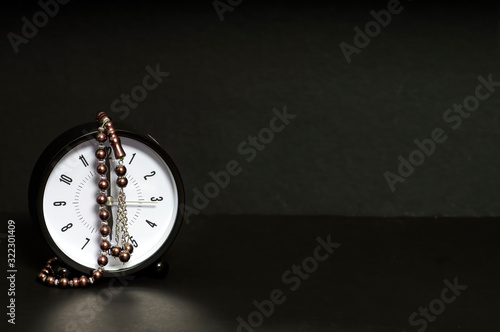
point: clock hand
(110, 192)
(111, 201)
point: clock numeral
(154, 199)
(86, 242)
(60, 203)
(134, 242)
(66, 179)
(65, 228)
(148, 176)
(84, 161)
(152, 224)
(133, 156)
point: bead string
(53, 273)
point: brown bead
(48, 267)
(124, 256)
(122, 182)
(120, 170)
(61, 272)
(115, 251)
(76, 282)
(52, 260)
(84, 281)
(50, 280)
(103, 184)
(105, 230)
(104, 214)
(115, 143)
(101, 137)
(114, 139)
(46, 271)
(102, 260)
(100, 154)
(128, 247)
(101, 117)
(63, 282)
(102, 169)
(105, 245)
(101, 199)
(97, 274)
(42, 276)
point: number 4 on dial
(152, 224)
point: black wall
(352, 121)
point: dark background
(322, 175)
(353, 120)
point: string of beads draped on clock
(53, 274)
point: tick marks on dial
(76, 203)
(84, 222)
(78, 191)
(88, 177)
(137, 188)
(140, 198)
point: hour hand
(111, 202)
(110, 193)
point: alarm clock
(62, 199)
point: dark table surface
(382, 271)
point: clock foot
(159, 269)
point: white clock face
(71, 212)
